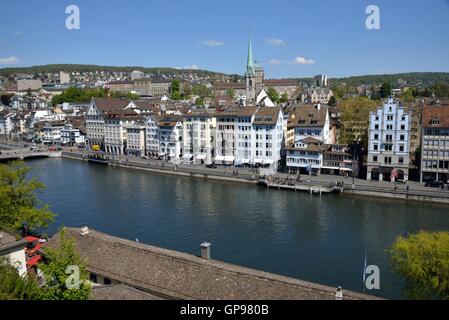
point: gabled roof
(309, 116)
(176, 275)
(109, 104)
(266, 116)
(438, 115)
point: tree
(15, 287)
(6, 98)
(385, 90)
(230, 93)
(199, 101)
(175, 90)
(284, 98)
(409, 95)
(59, 260)
(423, 260)
(273, 94)
(333, 101)
(354, 117)
(18, 201)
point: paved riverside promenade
(415, 191)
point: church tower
(254, 76)
(250, 75)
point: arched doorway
(375, 174)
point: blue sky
(321, 36)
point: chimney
(318, 106)
(205, 250)
(84, 231)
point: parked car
(435, 184)
(211, 166)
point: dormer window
(435, 122)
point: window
(401, 160)
(375, 158)
(402, 137)
(401, 148)
(93, 278)
(376, 147)
(106, 281)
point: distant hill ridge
(409, 77)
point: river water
(318, 239)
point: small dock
(299, 186)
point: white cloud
(9, 61)
(192, 67)
(275, 42)
(275, 62)
(213, 43)
(302, 60)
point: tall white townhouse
(152, 135)
(170, 131)
(389, 142)
(199, 129)
(251, 136)
(136, 138)
(95, 118)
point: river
(318, 239)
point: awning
(219, 158)
(187, 156)
(345, 169)
(258, 161)
(268, 161)
(201, 157)
(171, 155)
(229, 159)
(245, 161)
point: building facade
(389, 143)
(199, 128)
(435, 143)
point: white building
(389, 142)
(64, 77)
(136, 138)
(317, 95)
(71, 136)
(170, 131)
(136, 74)
(95, 118)
(252, 136)
(199, 136)
(152, 135)
(52, 132)
(5, 122)
(13, 251)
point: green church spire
(249, 64)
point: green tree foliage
(423, 260)
(199, 101)
(56, 275)
(273, 94)
(6, 98)
(79, 95)
(230, 93)
(284, 98)
(18, 201)
(385, 90)
(409, 95)
(333, 101)
(176, 90)
(440, 90)
(15, 287)
(354, 119)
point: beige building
(29, 84)
(116, 124)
